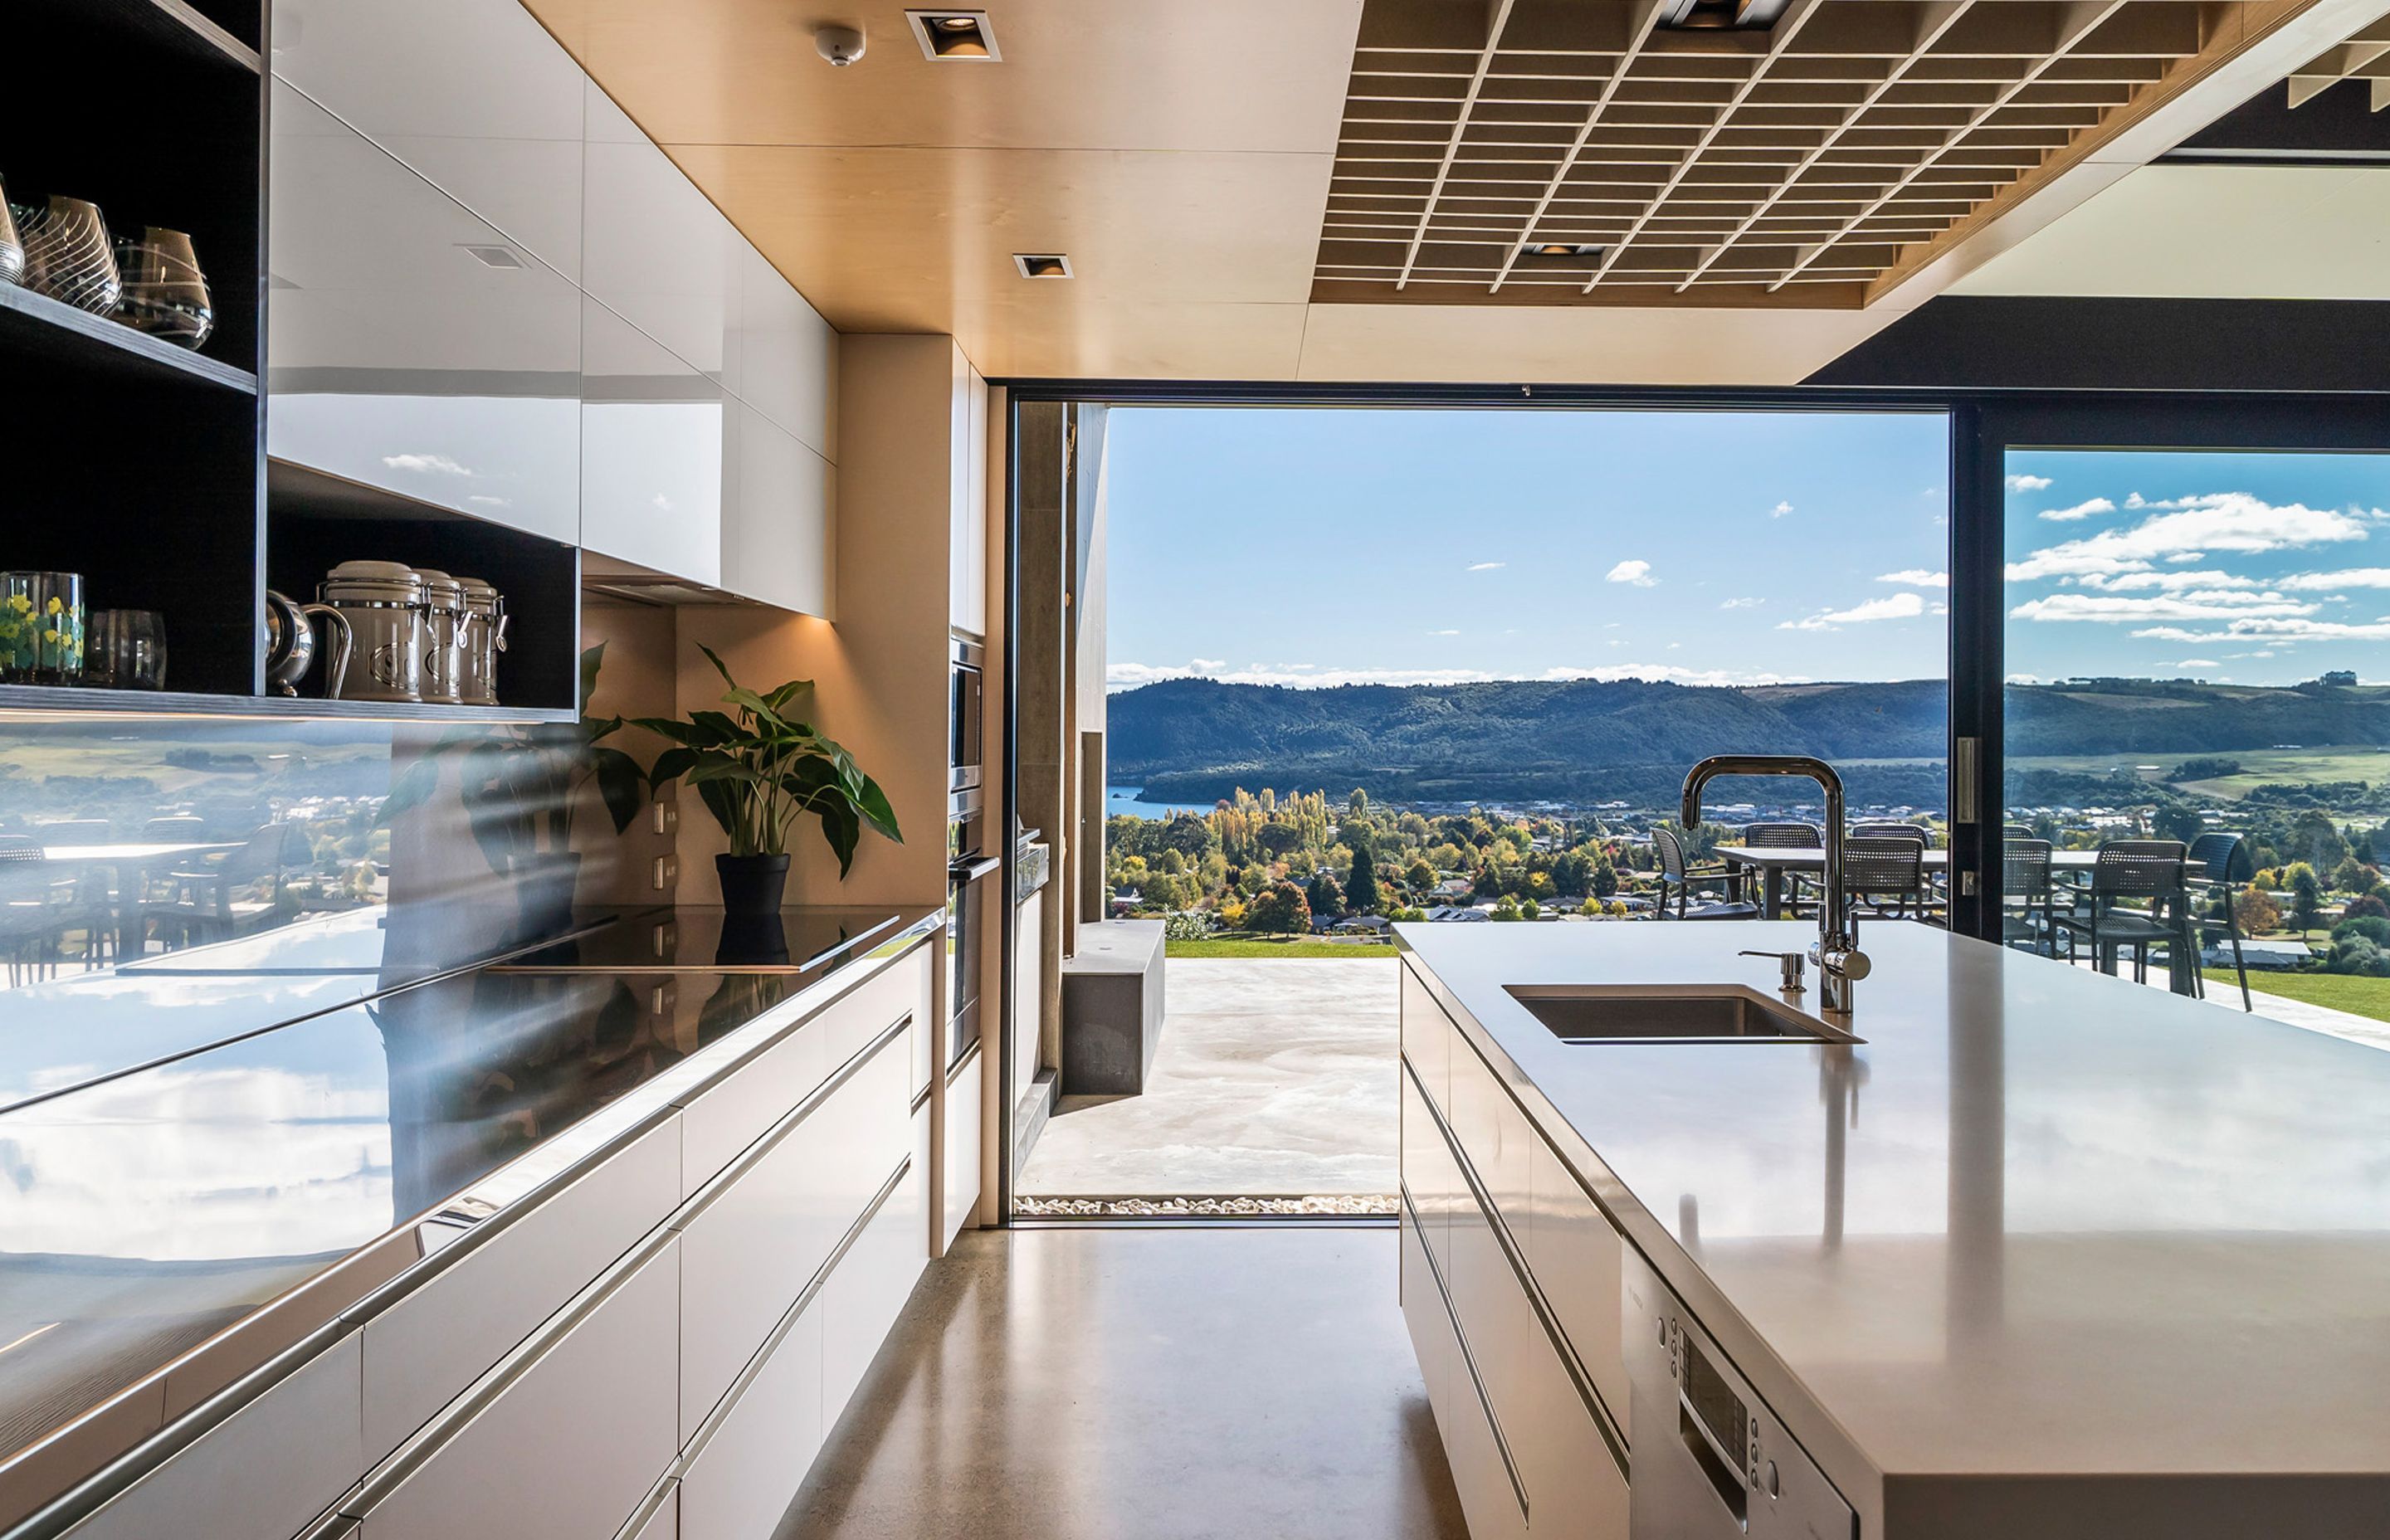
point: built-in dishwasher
(1710, 1459)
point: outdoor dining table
(131, 857)
(1772, 862)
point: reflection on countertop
(798, 939)
(152, 1211)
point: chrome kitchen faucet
(1836, 951)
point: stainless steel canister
(485, 638)
(382, 601)
(443, 638)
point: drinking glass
(127, 650)
(68, 256)
(165, 294)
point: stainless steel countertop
(166, 1213)
(2041, 1222)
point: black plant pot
(751, 884)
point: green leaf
(843, 832)
(413, 787)
(592, 659)
(719, 666)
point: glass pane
(2198, 648)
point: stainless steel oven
(1710, 1458)
(967, 673)
(970, 912)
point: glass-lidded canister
(383, 604)
(485, 638)
(443, 636)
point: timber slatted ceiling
(1789, 165)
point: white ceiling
(2237, 232)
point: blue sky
(2250, 568)
(1331, 545)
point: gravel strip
(1342, 1206)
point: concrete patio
(1275, 1078)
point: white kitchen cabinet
(967, 544)
(1577, 1259)
(755, 1245)
(573, 1442)
(1427, 1039)
(741, 1479)
(1428, 1174)
(444, 1333)
(267, 1470)
(778, 513)
(785, 356)
(866, 1294)
(660, 1522)
(726, 1117)
(397, 356)
(1494, 1133)
(472, 94)
(652, 451)
(655, 249)
(887, 998)
(958, 1150)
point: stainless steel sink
(1579, 1013)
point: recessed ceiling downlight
(1051, 265)
(955, 36)
(494, 256)
(1563, 253)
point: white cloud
(1223, 662)
(1780, 510)
(2199, 604)
(2180, 557)
(2352, 577)
(1892, 607)
(439, 464)
(1637, 573)
(1444, 633)
(2197, 662)
(489, 502)
(2274, 629)
(2213, 522)
(2083, 509)
(2027, 483)
(1487, 565)
(1917, 577)
(2169, 581)
(1742, 604)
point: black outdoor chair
(1677, 880)
(1789, 836)
(2222, 864)
(232, 894)
(2028, 898)
(1923, 837)
(2150, 872)
(1885, 875)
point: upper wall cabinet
(414, 347)
(788, 355)
(652, 436)
(659, 253)
(473, 94)
(775, 517)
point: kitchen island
(2044, 1253)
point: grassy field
(1281, 946)
(2368, 998)
(2258, 766)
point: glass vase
(41, 628)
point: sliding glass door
(2194, 718)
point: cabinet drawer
(753, 1247)
(959, 1151)
(740, 1480)
(1424, 1317)
(866, 1294)
(446, 1332)
(571, 1445)
(1427, 1039)
(1489, 1499)
(900, 989)
(1429, 1174)
(1577, 1258)
(662, 1521)
(1493, 1135)
(724, 1119)
(267, 1470)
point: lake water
(1128, 798)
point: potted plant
(758, 770)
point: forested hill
(1191, 739)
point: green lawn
(1280, 947)
(2359, 996)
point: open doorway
(1332, 669)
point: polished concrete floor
(1142, 1385)
(1275, 1078)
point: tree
(2314, 839)
(2366, 906)
(2177, 822)
(1186, 834)
(2306, 895)
(2352, 877)
(1506, 910)
(1280, 910)
(2255, 913)
(1324, 896)
(1361, 893)
(1531, 910)
(1418, 875)
(1605, 878)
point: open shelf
(36, 326)
(171, 25)
(46, 699)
